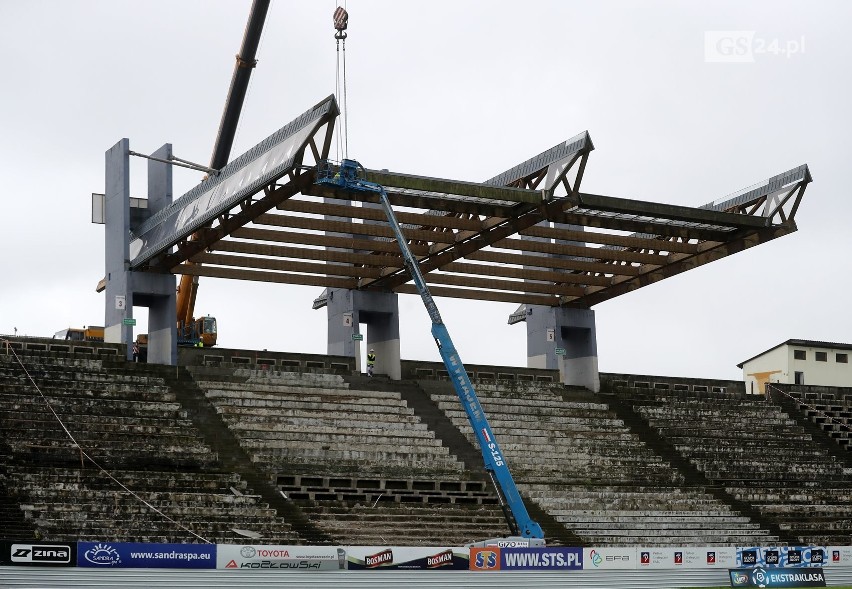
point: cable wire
(803, 403)
(345, 107)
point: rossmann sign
(436, 558)
(38, 554)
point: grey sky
(458, 90)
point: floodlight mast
(348, 177)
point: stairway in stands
(578, 461)
(233, 457)
(758, 454)
(451, 436)
(692, 475)
(356, 459)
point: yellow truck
(92, 333)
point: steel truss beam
(465, 234)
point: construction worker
(371, 361)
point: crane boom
(520, 523)
(188, 288)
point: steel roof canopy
(528, 235)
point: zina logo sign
(41, 553)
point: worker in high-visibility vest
(371, 361)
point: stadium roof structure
(528, 235)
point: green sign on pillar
(560, 351)
(357, 337)
(128, 321)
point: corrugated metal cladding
(150, 578)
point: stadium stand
(296, 449)
(828, 408)
(758, 453)
(131, 425)
(575, 458)
(358, 462)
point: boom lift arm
(520, 523)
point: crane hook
(341, 20)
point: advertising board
(280, 558)
(777, 577)
(432, 558)
(26, 553)
(605, 558)
(687, 557)
(540, 558)
(837, 556)
(139, 555)
(782, 556)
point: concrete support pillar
(559, 328)
(160, 289)
(119, 304)
(347, 310)
(125, 288)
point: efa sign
(526, 559)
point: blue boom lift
(349, 176)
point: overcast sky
(452, 89)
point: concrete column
(125, 288)
(347, 309)
(573, 330)
(161, 289)
(118, 304)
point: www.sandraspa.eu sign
(137, 555)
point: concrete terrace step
(256, 374)
(116, 435)
(288, 429)
(744, 448)
(627, 516)
(264, 421)
(70, 499)
(104, 422)
(295, 393)
(534, 421)
(733, 539)
(731, 467)
(378, 437)
(207, 512)
(531, 411)
(94, 406)
(581, 449)
(710, 431)
(414, 454)
(178, 457)
(80, 390)
(74, 479)
(656, 528)
(545, 403)
(323, 411)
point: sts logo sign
(485, 559)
